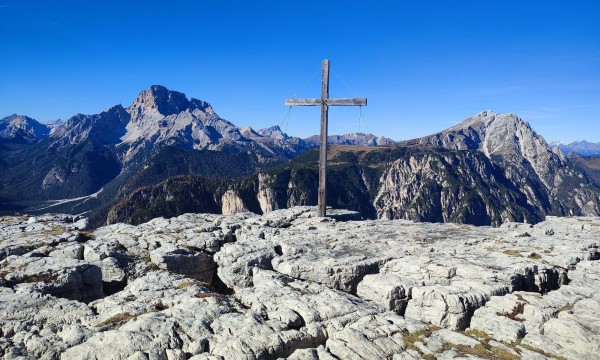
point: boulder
(193, 264)
(61, 277)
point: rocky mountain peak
(273, 132)
(360, 139)
(249, 132)
(22, 129)
(505, 135)
(161, 100)
(487, 119)
(103, 128)
(525, 156)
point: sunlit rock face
(289, 284)
(88, 161)
(22, 129)
(545, 176)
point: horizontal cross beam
(329, 102)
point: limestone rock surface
(289, 285)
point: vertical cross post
(322, 204)
(324, 102)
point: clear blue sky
(423, 65)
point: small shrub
(483, 350)
(479, 350)
(39, 278)
(159, 306)
(411, 338)
(517, 310)
(186, 284)
(501, 354)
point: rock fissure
(342, 289)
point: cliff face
(175, 196)
(548, 179)
(463, 187)
(267, 196)
(232, 203)
(395, 183)
(489, 169)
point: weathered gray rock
(148, 335)
(40, 326)
(193, 264)
(20, 235)
(69, 251)
(303, 287)
(386, 290)
(61, 277)
(319, 353)
(449, 306)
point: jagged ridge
(489, 169)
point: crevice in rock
(333, 355)
(84, 237)
(300, 323)
(534, 280)
(113, 287)
(218, 286)
(278, 250)
(369, 269)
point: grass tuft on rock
(478, 334)
(542, 352)
(411, 338)
(187, 284)
(512, 252)
(116, 320)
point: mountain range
(165, 154)
(583, 148)
(487, 170)
(84, 163)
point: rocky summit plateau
(290, 285)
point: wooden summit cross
(324, 102)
